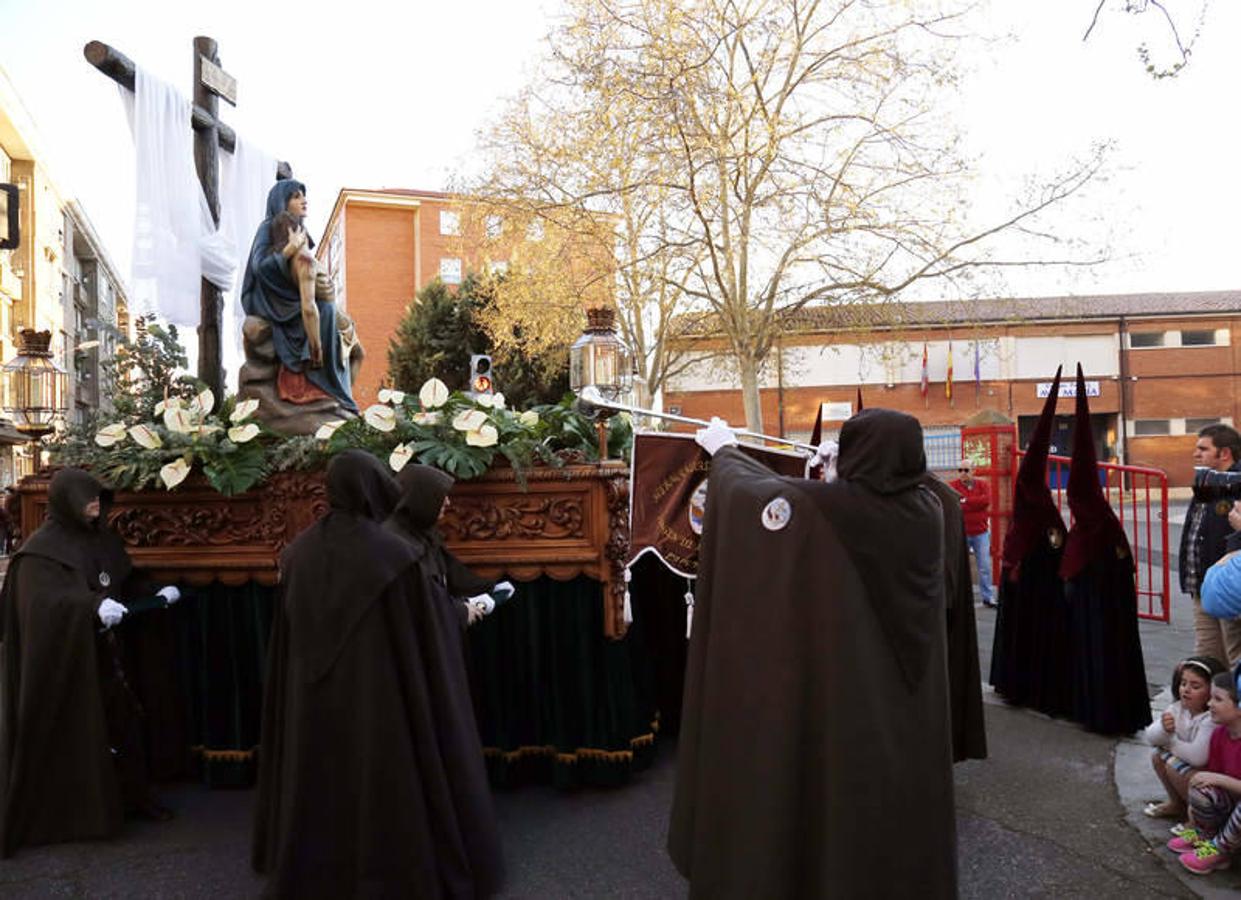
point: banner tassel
(689, 608)
(628, 609)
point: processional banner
(668, 495)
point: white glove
(715, 436)
(484, 603)
(472, 613)
(826, 456)
(171, 594)
(505, 587)
(111, 612)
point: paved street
(1054, 811)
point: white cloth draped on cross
(176, 243)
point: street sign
(1068, 389)
(218, 81)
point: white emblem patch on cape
(776, 514)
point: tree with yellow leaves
(732, 161)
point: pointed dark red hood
(1096, 531)
(860, 407)
(816, 433)
(1034, 510)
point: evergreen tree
(440, 331)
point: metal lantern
(599, 358)
(35, 390)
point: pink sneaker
(1205, 859)
(1185, 842)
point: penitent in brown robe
(815, 756)
(369, 770)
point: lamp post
(599, 359)
(34, 389)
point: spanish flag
(948, 381)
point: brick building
(383, 246)
(1159, 367)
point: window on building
(495, 226)
(1193, 426)
(1146, 339)
(499, 267)
(1151, 427)
(450, 270)
(450, 222)
(1204, 337)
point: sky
(370, 94)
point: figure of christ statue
(302, 352)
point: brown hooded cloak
(816, 691)
(1109, 677)
(358, 789)
(66, 776)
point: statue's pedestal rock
(257, 381)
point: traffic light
(480, 374)
(10, 232)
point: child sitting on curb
(1215, 794)
(1182, 735)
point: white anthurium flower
(207, 429)
(174, 473)
(528, 419)
(497, 400)
(144, 437)
(427, 418)
(159, 408)
(243, 410)
(203, 403)
(470, 420)
(387, 395)
(485, 400)
(110, 434)
(178, 420)
(380, 417)
(401, 454)
(239, 434)
(433, 394)
(327, 429)
(487, 436)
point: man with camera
(1204, 537)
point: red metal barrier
(1139, 496)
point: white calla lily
(486, 436)
(243, 410)
(428, 418)
(144, 437)
(380, 417)
(470, 420)
(204, 402)
(401, 454)
(528, 419)
(327, 429)
(178, 420)
(433, 394)
(174, 473)
(110, 434)
(239, 434)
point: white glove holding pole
(715, 436)
(111, 612)
(171, 594)
(826, 456)
(486, 603)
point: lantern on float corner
(600, 359)
(35, 390)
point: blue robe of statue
(270, 291)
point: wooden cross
(210, 83)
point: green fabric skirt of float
(555, 699)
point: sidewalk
(1163, 646)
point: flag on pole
(926, 377)
(948, 380)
